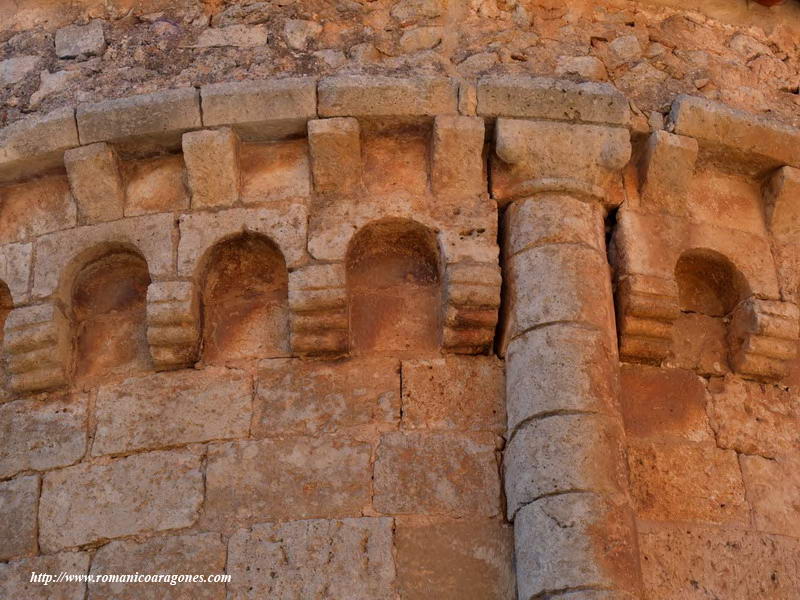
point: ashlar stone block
(773, 490)
(15, 577)
(665, 172)
(18, 506)
(781, 194)
(96, 183)
(335, 147)
(457, 165)
(212, 163)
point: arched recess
(105, 305)
(710, 287)
(394, 287)
(244, 291)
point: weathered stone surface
(152, 120)
(15, 577)
(461, 393)
(34, 358)
(239, 36)
(735, 135)
(96, 183)
(299, 32)
(42, 434)
(540, 97)
(36, 143)
(168, 409)
(362, 96)
(285, 224)
(454, 558)
(437, 473)
(309, 398)
(588, 545)
(709, 563)
(318, 300)
(15, 269)
(663, 403)
(348, 558)
(457, 166)
(152, 235)
(261, 110)
(665, 172)
(212, 162)
(35, 207)
(202, 553)
(284, 479)
(573, 373)
(155, 185)
(80, 41)
(561, 453)
(15, 69)
(780, 195)
(335, 148)
(754, 418)
(699, 343)
(473, 303)
(773, 491)
(275, 171)
(172, 324)
(586, 67)
(668, 484)
(18, 506)
(138, 494)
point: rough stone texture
(437, 473)
(348, 558)
(239, 36)
(706, 563)
(699, 344)
(96, 183)
(588, 545)
(157, 119)
(335, 148)
(663, 403)
(284, 479)
(202, 553)
(80, 41)
(668, 483)
(457, 166)
(162, 410)
(138, 494)
(212, 162)
(39, 435)
(15, 577)
(773, 491)
(18, 507)
(155, 185)
(754, 418)
(561, 453)
(261, 110)
(460, 393)
(783, 214)
(12, 70)
(448, 558)
(15, 267)
(309, 398)
(359, 96)
(34, 208)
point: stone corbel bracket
(34, 358)
(318, 305)
(173, 330)
(763, 338)
(647, 307)
(473, 301)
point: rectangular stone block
(212, 163)
(308, 398)
(456, 393)
(144, 122)
(734, 136)
(172, 324)
(773, 489)
(35, 207)
(96, 183)
(666, 171)
(544, 98)
(452, 474)
(15, 269)
(80, 40)
(372, 96)
(454, 558)
(141, 493)
(168, 409)
(36, 143)
(42, 434)
(686, 482)
(34, 358)
(15, 577)
(275, 171)
(284, 479)
(155, 185)
(457, 165)
(18, 508)
(261, 110)
(780, 195)
(203, 553)
(335, 147)
(348, 558)
(151, 234)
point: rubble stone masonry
(401, 299)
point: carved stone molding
(646, 309)
(318, 304)
(172, 324)
(34, 359)
(473, 300)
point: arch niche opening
(244, 300)
(108, 316)
(394, 273)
